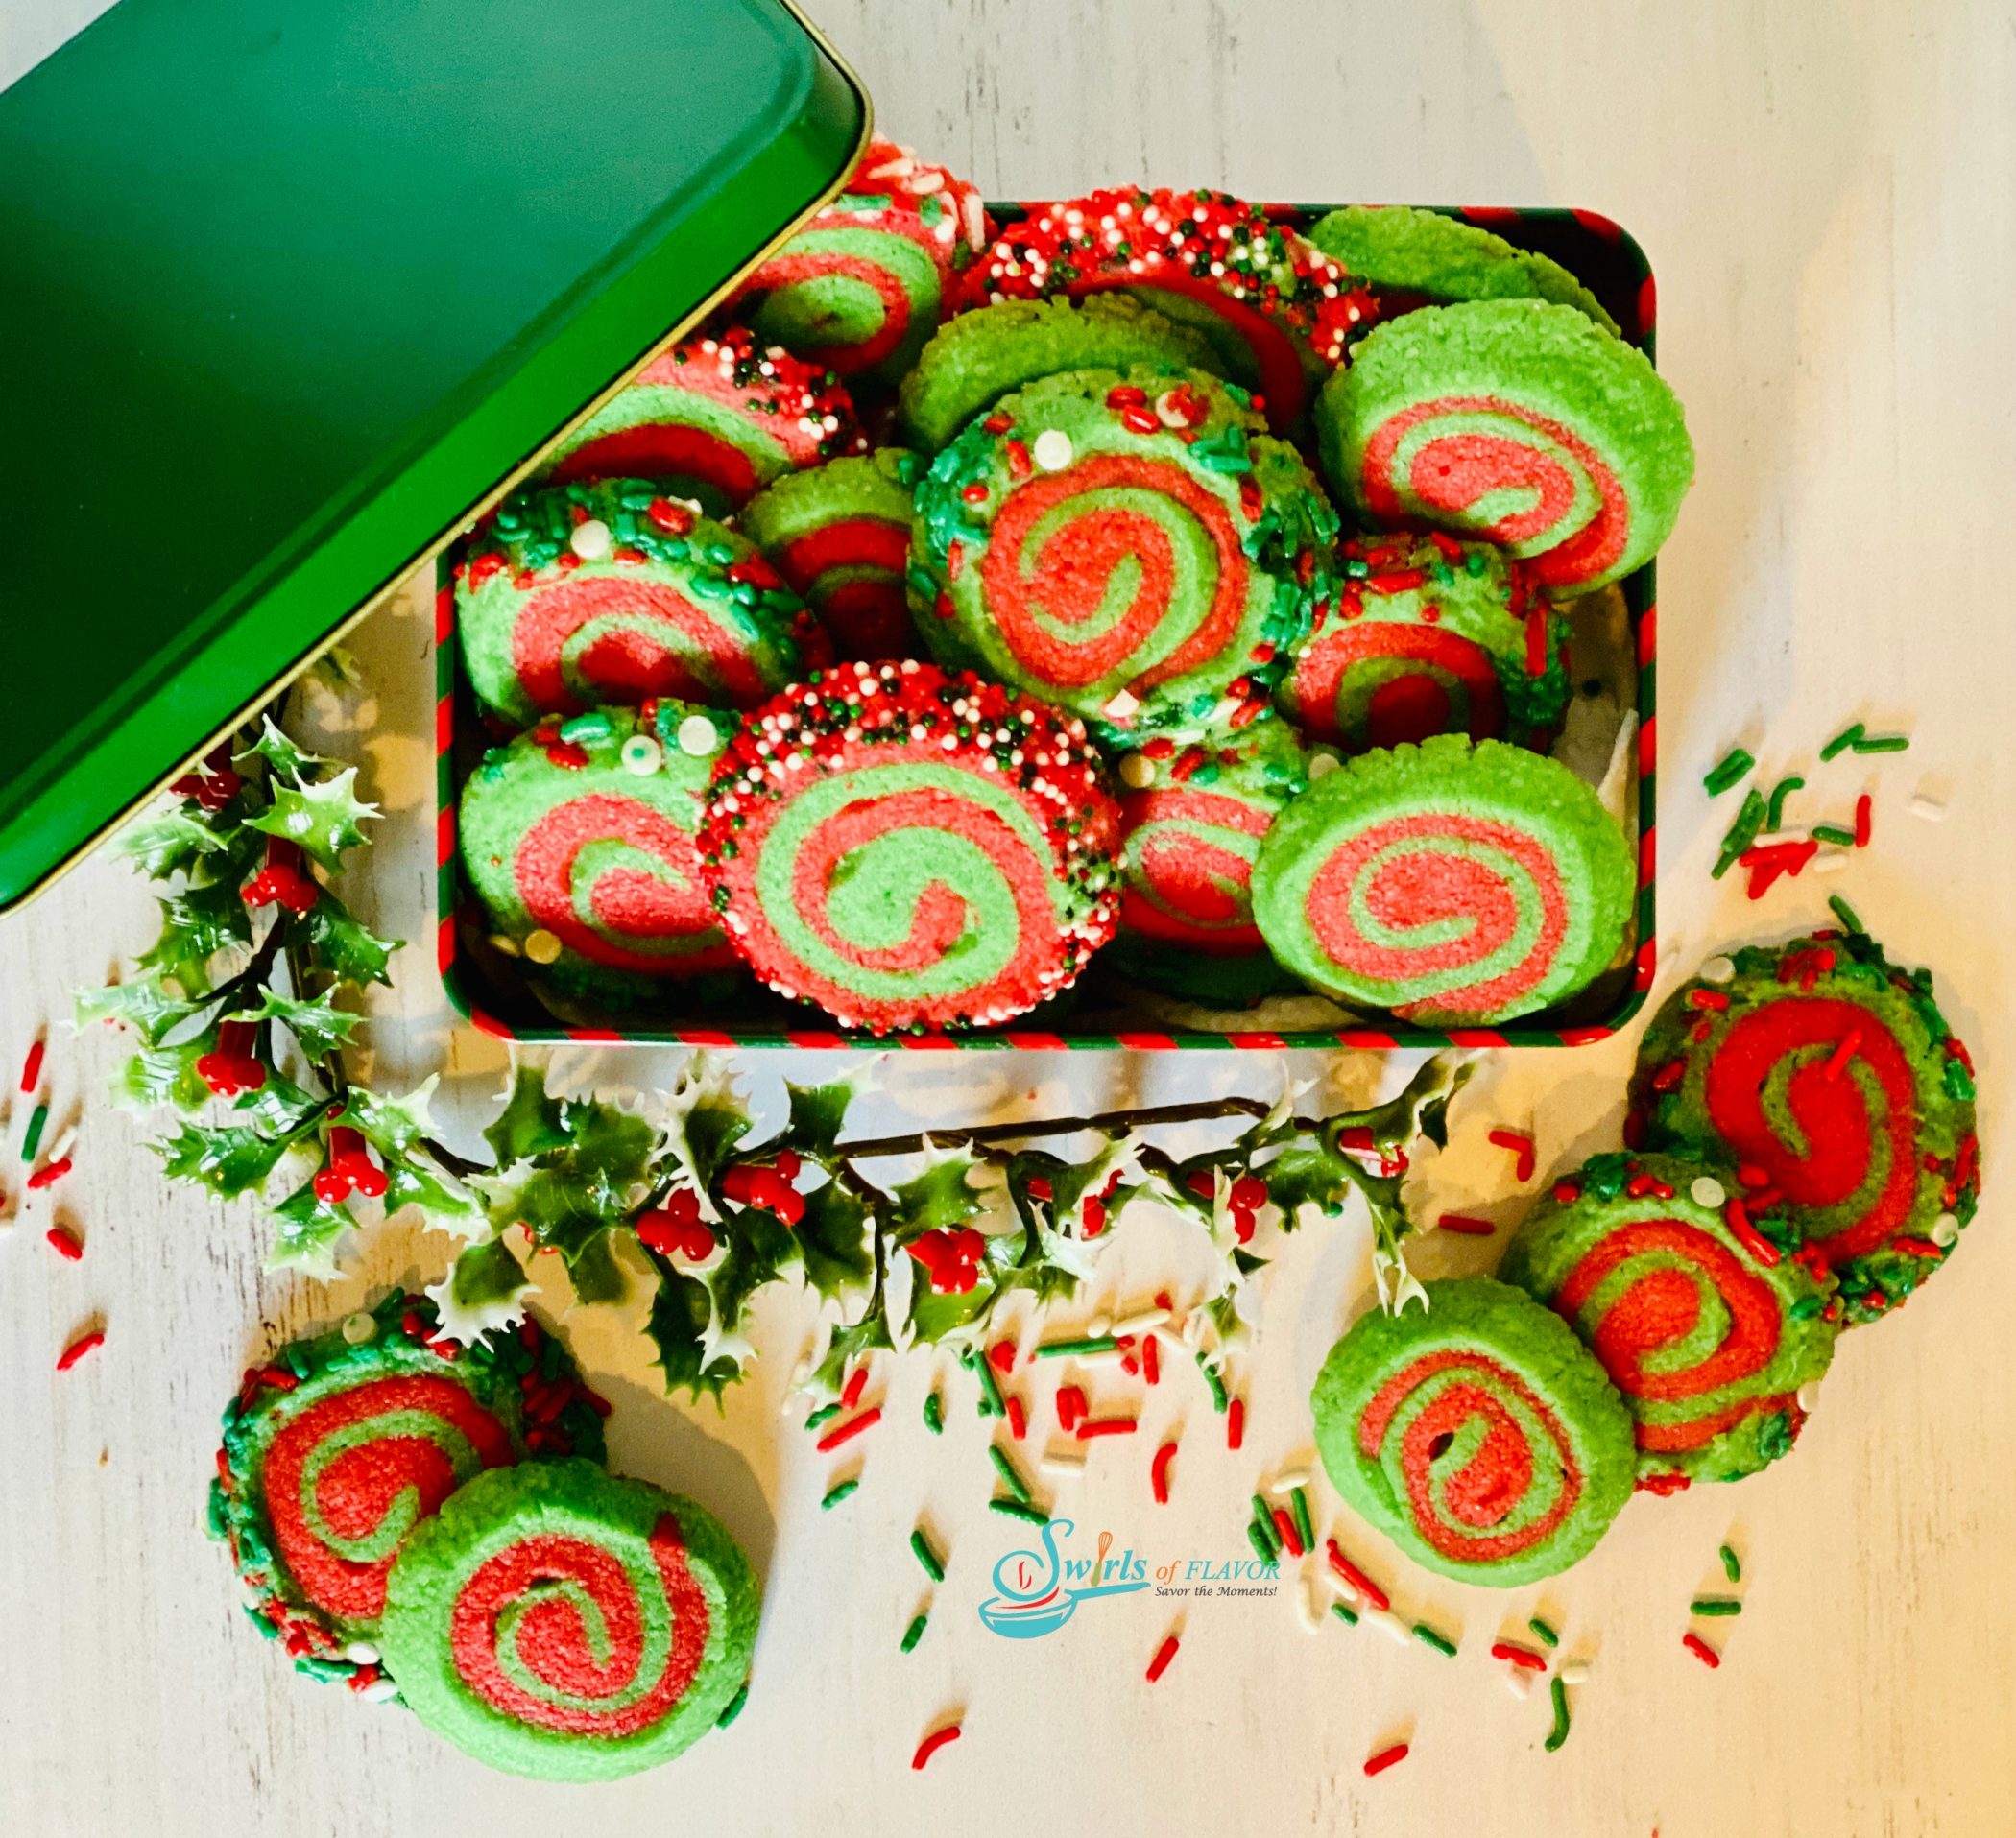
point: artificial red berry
(1249, 1193)
(332, 1184)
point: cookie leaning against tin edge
(1829, 1077)
(1707, 1326)
(1480, 1436)
(558, 1621)
(340, 1445)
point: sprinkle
(934, 1413)
(698, 736)
(1880, 743)
(642, 755)
(1748, 825)
(1070, 1405)
(992, 1404)
(359, 1328)
(1843, 741)
(1300, 1501)
(1390, 1625)
(1134, 1327)
(1159, 1472)
(1091, 1426)
(1851, 921)
(1542, 1632)
(1774, 812)
(1261, 1542)
(543, 946)
(1945, 1230)
(32, 1066)
(920, 1549)
(1717, 969)
(857, 1384)
(1864, 809)
(83, 1343)
(933, 1743)
(1558, 1734)
(1521, 1146)
(1062, 1459)
(1345, 1613)
(1732, 1565)
(1833, 834)
(1010, 1475)
(32, 1140)
(913, 1634)
(1465, 1224)
(1733, 764)
(1574, 1673)
(1519, 1656)
(1019, 1510)
(1355, 1576)
(65, 1243)
(1002, 1356)
(1235, 1424)
(1137, 772)
(49, 1174)
(1844, 1050)
(1386, 1758)
(1929, 808)
(835, 1494)
(1164, 1653)
(732, 1708)
(1709, 1192)
(1218, 1395)
(1700, 1648)
(1288, 1480)
(1285, 1529)
(1017, 1418)
(1151, 1359)
(1748, 1235)
(1715, 1605)
(824, 1414)
(1431, 1638)
(1051, 449)
(849, 1430)
(1086, 1344)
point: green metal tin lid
(288, 291)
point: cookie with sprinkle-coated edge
(560, 1622)
(1126, 545)
(338, 1446)
(1707, 1328)
(1831, 1079)
(1517, 422)
(1480, 1434)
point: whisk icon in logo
(1040, 1590)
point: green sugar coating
(1847, 1090)
(975, 360)
(631, 1634)
(744, 637)
(1419, 1418)
(1713, 1386)
(312, 1376)
(1120, 598)
(636, 765)
(1583, 405)
(1422, 946)
(1399, 249)
(1466, 591)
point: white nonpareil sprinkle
(1138, 772)
(1288, 1480)
(1390, 1625)
(1717, 969)
(1707, 1191)
(1061, 1460)
(698, 736)
(1831, 861)
(379, 1691)
(360, 1328)
(1944, 1228)
(1052, 450)
(1338, 1585)
(642, 755)
(1809, 1394)
(591, 540)
(1322, 765)
(1929, 808)
(1575, 1672)
(1139, 1323)
(1122, 705)
(541, 947)
(1309, 1608)
(360, 1653)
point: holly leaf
(278, 1105)
(935, 1313)
(870, 1334)
(834, 1239)
(170, 845)
(310, 1230)
(936, 1198)
(1312, 1171)
(677, 1326)
(352, 951)
(760, 1248)
(286, 758)
(394, 1125)
(318, 1024)
(484, 1290)
(530, 1123)
(708, 1119)
(229, 1159)
(594, 1272)
(197, 923)
(141, 1002)
(162, 1075)
(565, 1196)
(324, 817)
(446, 1204)
(818, 1113)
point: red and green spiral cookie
(1705, 1326)
(1455, 883)
(558, 1621)
(867, 281)
(1278, 311)
(1127, 545)
(1518, 422)
(577, 595)
(1410, 257)
(1480, 1435)
(912, 850)
(714, 419)
(1191, 819)
(1828, 1077)
(1429, 635)
(337, 1447)
(840, 537)
(579, 838)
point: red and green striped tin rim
(1610, 262)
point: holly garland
(245, 1004)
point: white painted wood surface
(1826, 190)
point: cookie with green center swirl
(576, 596)
(1455, 883)
(1479, 1435)
(912, 850)
(1126, 545)
(1191, 819)
(556, 1621)
(1516, 421)
(1410, 257)
(578, 838)
(1707, 1328)
(714, 419)
(975, 360)
(339, 1446)
(1429, 635)
(1831, 1079)
(840, 537)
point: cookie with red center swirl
(1191, 819)
(1127, 545)
(556, 1621)
(912, 850)
(1479, 1435)
(1276, 310)
(1516, 421)
(1429, 635)
(868, 280)
(341, 1445)
(1455, 883)
(840, 537)
(1828, 1077)
(579, 595)
(579, 838)
(1707, 1326)
(714, 419)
